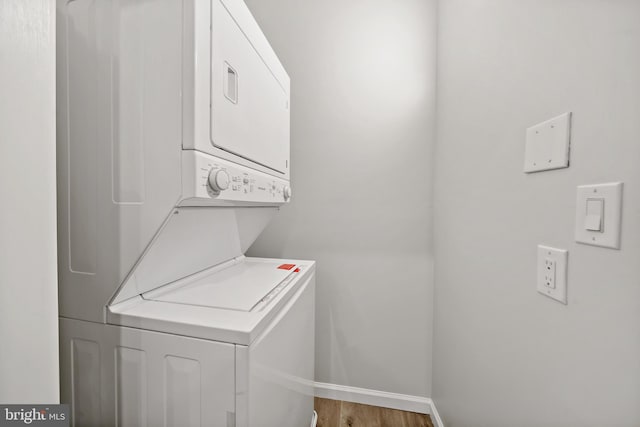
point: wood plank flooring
(335, 413)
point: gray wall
(28, 284)
(505, 355)
(363, 77)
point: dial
(218, 179)
(287, 192)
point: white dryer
(173, 156)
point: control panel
(209, 180)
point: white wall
(505, 355)
(363, 77)
(28, 284)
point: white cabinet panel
(131, 387)
(160, 379)
(85, 361)
(183, 378)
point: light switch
(595, 211)
(598, 214)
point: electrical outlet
(552, 273)
(549, 273)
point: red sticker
(286, 266)
(297, 270)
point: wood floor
(335, 413)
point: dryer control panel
(209, 180)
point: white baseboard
(435, 416)
(403, 402)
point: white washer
(230, 346)
(173, 156)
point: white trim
(435, 416)
(404, 402)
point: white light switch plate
(552, 273)
(610, 197)
(547, 144)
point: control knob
(218, 180)
(287, 192)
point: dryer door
(249, 89)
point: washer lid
(237, 287)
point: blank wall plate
(598, 214)
(547, 145)
(552, 273)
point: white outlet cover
(611, 195)
(559, 257)
(547, 144)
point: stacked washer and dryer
(173, 156)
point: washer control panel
(212, 180)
